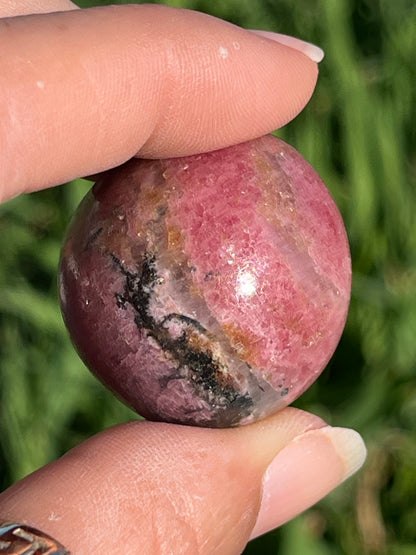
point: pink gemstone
(209, 290)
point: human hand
(82, 92)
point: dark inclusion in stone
(207, 375)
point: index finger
(85, 90)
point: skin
(147, 87)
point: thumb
(168, 489)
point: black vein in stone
(206, 373)
(92, 238)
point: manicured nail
(302, 473)
(313, 52)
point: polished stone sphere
(208, 290)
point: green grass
(359, 132)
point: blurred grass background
(359, 133)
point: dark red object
(209, 290)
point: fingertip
(247, 87)
(304, 471)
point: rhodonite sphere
(209, 290)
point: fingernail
(313, 52)
(302, 473)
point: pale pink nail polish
(313, 52)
